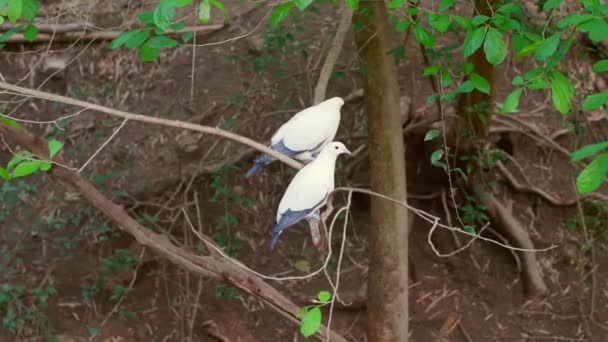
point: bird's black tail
(261, 161)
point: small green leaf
(431, 70)
(446, 79)
(147, 17)
(562, 92)
(446, 4)
(302, 4)
(137, 38)
(517, 80)
(440, 23)
(26, 168)
(10, 122)
(574, 19)
(548, 47)
(14, 9)
(164, 13)
(538, 84)
(160, 42)
(182, 3)
(601, 66)
(512, 101)
(597, 29)
(480, 83)
(147, 53)
(402, 25)
(465, 87)
(311, 322)
(353, 4)
(468, 67)
(479, 19)
(324, 296)
(595, 101)
(436, 157)
(551, 4)
(204, 11)
(423, 36)
(473, 41)
(177, 26)
(121, 39)
(18, 158)
(509, 8)
(592, 176)
(186, 37)
(494, 47)
(45, 166)
(430, 135)
(29, 10)
(279, 13)
(394, 4)
(4, 174)
(588, 150)
(54, 147)
(30, 33)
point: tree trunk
(387, 300)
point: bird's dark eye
(336, 147)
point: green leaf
(479, 19)
(148, 54)
(26, 168)
(279, 13)
(222, 9)
(430, 135)
(311, 322)
(468, 68)
(562, 92)
(394, 4)
(10, 122)
(137, 38)
(517, 80)
(588, 150)
(30, 33)
(402, 25)
(494, 47)
(54, 147)
(18, 158)
(597, 29)
(509, 8)
(480, 83)
(465, 87)
(436, 156)
(548, 47)
(204, 11)
(147, 17)
(45, 166)
(512, 101)
(423, 36)
(440, 23)
(601, 66)
(186, 37)
(431, 70)
(574, 19)
(182, 3)
(164, 13)
(4, 174)
(160, 42)
(302, 4)
(592, 176)
(353, 4)
(177, 26)
(14, 9)
(29, 10)
(446, 4)
(552, 4)
(122, 39)
(595, 101)
(537, 84)
(324, 296)
(473, 41)
(446, 79)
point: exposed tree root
(503, 218)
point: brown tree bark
(387, 300)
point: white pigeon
(308, 190)
(305, 134)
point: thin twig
(103, 145)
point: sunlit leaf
(4, 174)
(512, 101)
(601, 66)
(562, 92)
(279, 13)
(473, 41)
(593, 176)
(494, 47)
(324, 296)
(548, 47)
(10, 122)
(204, 11)
(26, 168)
(480, 83)
(588, 150)
(54, 147)
(311, 322)
(595, 101)
(423, 36)
(14, 10)
(160, 42)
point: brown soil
(52, 237)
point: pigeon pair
(308, 137)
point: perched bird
(305, 134)
(308, 190)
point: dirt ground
(67, 274)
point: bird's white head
(336, 148)
(334, 101)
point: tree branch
(215, 267)
(153, 120)
(332, 55)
